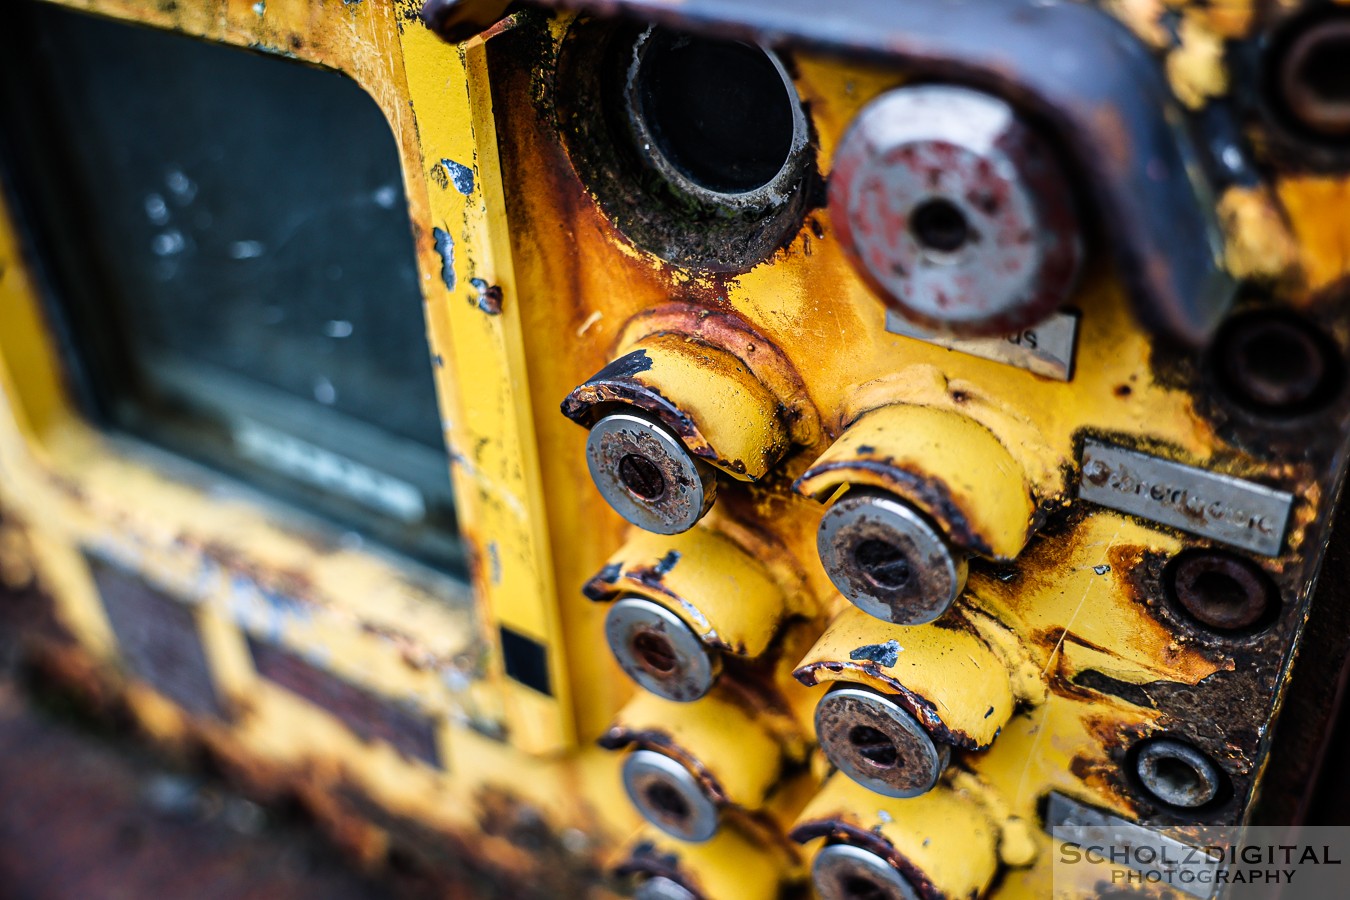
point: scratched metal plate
(1229, 510)
(369, 715)
(158, 639)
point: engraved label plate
(369, 715)
(1046, 348)
(158, 639)
(1226, 509)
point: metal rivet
(660, 887)
(659, 651)
(1177, 774)
(669, 796)
(647, 475)
(887, 559)
(1220, 590)
(876, 742)
(846, 872)
(955, 211)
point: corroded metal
(647, 476)
(878, 743)
(955, 211)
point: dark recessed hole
(939, 225)
(1221, 590)
(718, 111)
(857, 888)
(654, 653)
(666, 801)
(1311, 80)
(882, 563)
(1276, 364)
(642, 476)
(873, 746)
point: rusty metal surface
(86, 817)
(1102, 96)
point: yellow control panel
(876, 435)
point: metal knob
(888, 559)
(955, 211)
(669, 796)
(647, 475)
(659, 651)
(876, 742)
(846, 872)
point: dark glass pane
(228, 237)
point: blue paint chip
(460, 176)
(882, 654)
(445, 246)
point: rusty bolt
(659, 887)
(955, 211)
(458, 20)
(889, 560)
(846, 872)
(647, 475)
(1177, 774)
(1310, 75)
(878, 743)
(669, 796)
(1220, 590)
(1275, 364)
(659, 651)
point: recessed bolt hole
(667, 801)
(873, 746)
(1313, 80)
(655, 653)
(1221, 590)
(883, 563)
(642, 476)
(856, 888)
(1276, 364)
(939, 225)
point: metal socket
(888, 559)
(1177, 774)
(1221, 590)
(846, 872)
(1309, 75)
(877, 743)
(955, 211)
(659, 651)
(647, 475)
(669, 796)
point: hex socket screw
(647, 475)
(888, 559)
(955, 211)
(669, 796)
(878, 743)
(659, 651)
(1177, 774)
(846, 872)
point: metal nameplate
(1069, 820)
(1046, 348)
(1226, 509)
